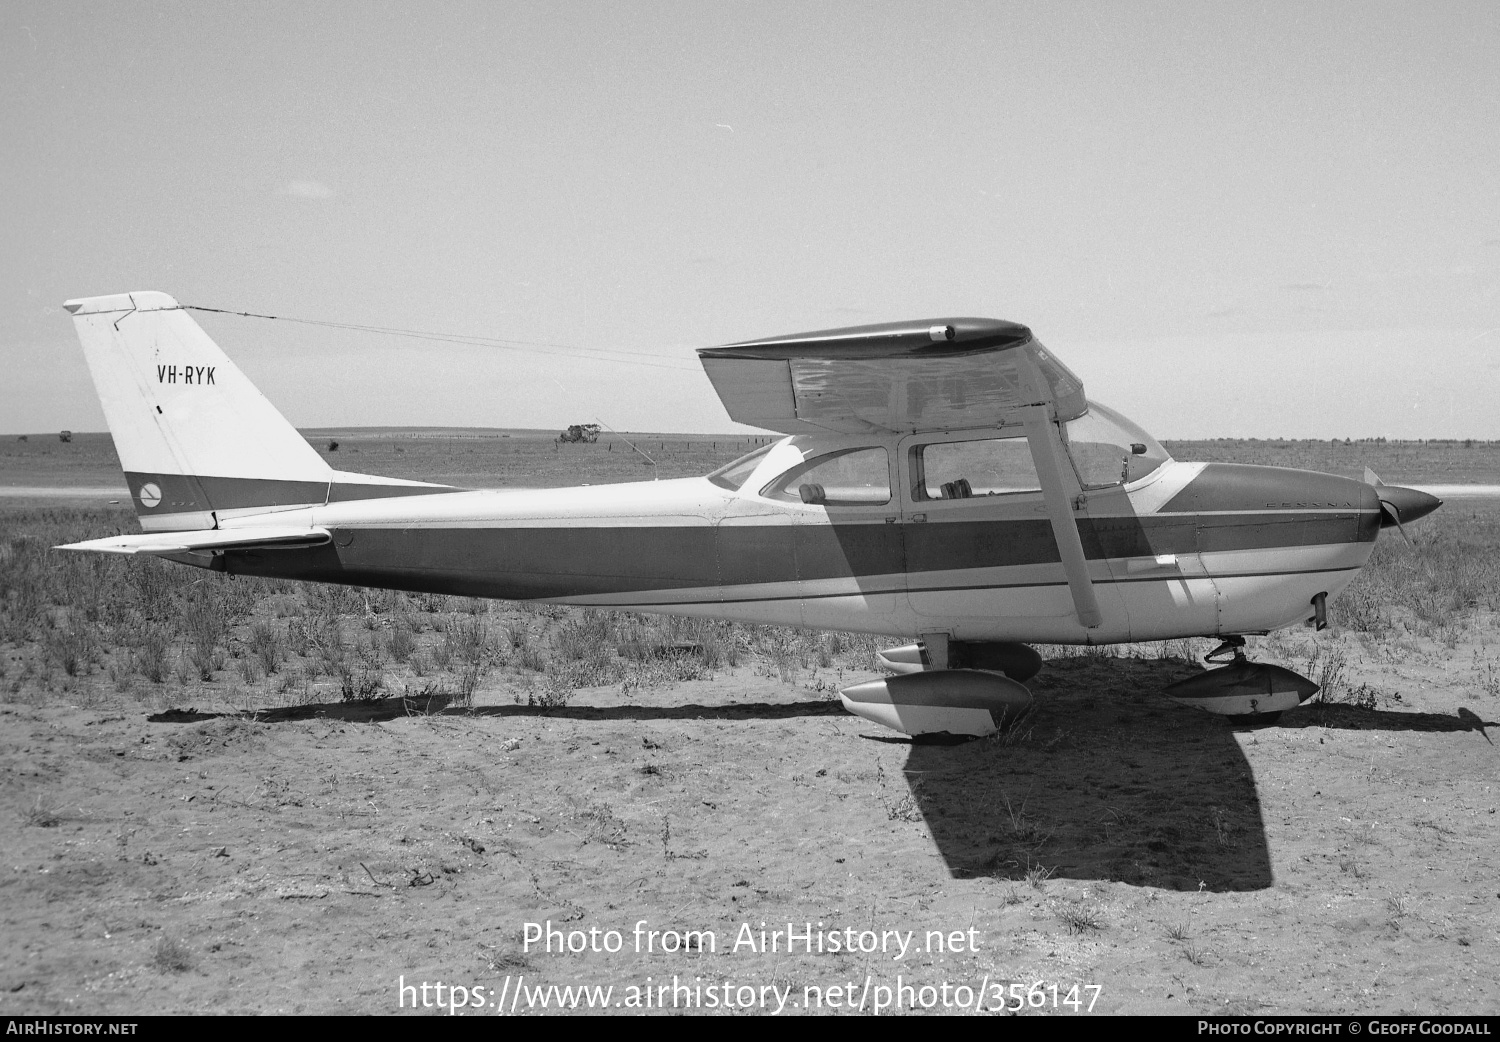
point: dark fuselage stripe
(183, 493)
(562, 562)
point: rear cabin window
(964, 469)
(853, 477)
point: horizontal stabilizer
(214, 539)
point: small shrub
(517, 635)
(825, 653)
(151, 656)
(248, 670)
(73, 647)
(172, 956)
(206, 624)
(205, 661)
(42, 814)
(372, 651)
(905, 809)
(402, 642)
(554, 694)
(1036, 875)
(1081, 918)
(469, 675)
(1325, 667)
(265, 644)
(467, 641)
(1195, 955)
(359, 685)
(533, 658)
(297, 638)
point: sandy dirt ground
(311, 859)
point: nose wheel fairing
(1244, 690)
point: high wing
(215, 539)
(933, 374)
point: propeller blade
(1390, 514)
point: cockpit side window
(964, 469)
(1107, 449)
(851, 477)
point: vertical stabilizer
(195, 437)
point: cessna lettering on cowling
(944, 480)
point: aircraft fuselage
(1190, 549)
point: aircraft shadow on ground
(1104, 780)
(377, 710)
(1108, 779)
(1359, 718)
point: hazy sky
(1229, 219)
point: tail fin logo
(150, 494)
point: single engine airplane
(945, 480)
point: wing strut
(1060, 512)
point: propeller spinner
(1399, 504)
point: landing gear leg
(1232, 650)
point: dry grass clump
(1081, 917)
(172, 956)
(1448, 574)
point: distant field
(485, 458)
(1397, 462)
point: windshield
(733, 475)
(1107, 449)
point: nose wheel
(1232, 651)
(1255, 719)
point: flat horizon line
(549, 432)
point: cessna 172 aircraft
(943, 479)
